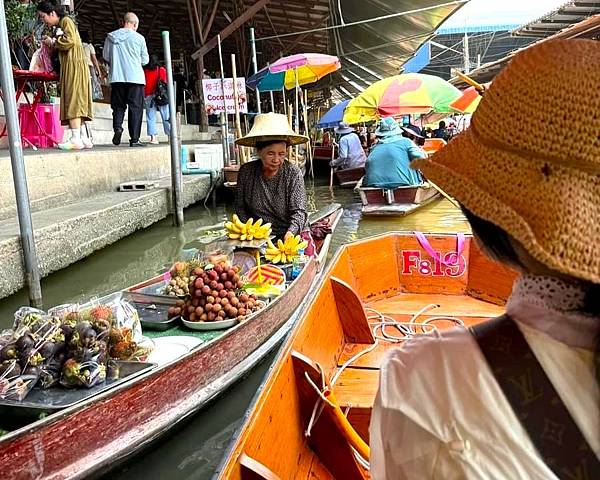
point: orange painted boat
(375, 293)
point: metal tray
(56, 398)
(154, 316)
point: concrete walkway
(69, 233)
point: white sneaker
(87, 143)
(71, 145)
(154, 140)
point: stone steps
(68, 233)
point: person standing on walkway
(126, 52)
(154, 72)
(75, 85)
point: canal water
(195, 448)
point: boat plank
(489, 280)
(351, 313)
(357, 387)
(367, 262)
(452, 305)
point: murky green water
(194, 450)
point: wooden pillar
(203, 115)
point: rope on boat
(406, 329)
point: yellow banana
(250, 237)
(232, 227)
(280, 244)
(243, 237)
(236, 220)
(303, 245)
(270, 244)
(234, 236)
(258, 223)
(277, 258)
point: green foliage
(20, 19)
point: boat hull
(349, 176)
(398, 201)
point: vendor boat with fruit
(191, 364)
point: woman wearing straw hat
(388, 165)
(516, 397)
(272, 188)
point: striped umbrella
(410, 93)
(309, 67)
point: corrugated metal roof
(588, 28)
(368, 51)
(553, 22)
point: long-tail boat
(399, 201)
(349, 177)
(312, 416)
(95, 434)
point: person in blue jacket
(388, 164)
(126, 52)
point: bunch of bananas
(238, 230)
(286, 251)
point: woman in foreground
(516, 397)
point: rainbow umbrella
(308, 67)
(409, 93)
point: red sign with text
(449, 264)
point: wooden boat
(394, 276)
(395, 201)
(349, 177)
(93, 435)
(323, 152)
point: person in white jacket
(126, 52)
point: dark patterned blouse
(280, 200)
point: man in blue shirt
(350, 152)
(126, 52)
(388, 165)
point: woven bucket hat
(530, 162)
(271, 126)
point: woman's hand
(48, 41)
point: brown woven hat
(530, 162)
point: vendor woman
(272, 188)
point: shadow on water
(194, 450)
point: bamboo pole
(296, 110)
(289, 115)
(238, 123)
(227, 156)
(307, 133)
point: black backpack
(161, 97)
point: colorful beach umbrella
(410, 93)
(310, 67)
(333, 116)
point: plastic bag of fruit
(28, 351)
(83, 363)
(126, 340)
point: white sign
(213, 95)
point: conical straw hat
(271, 126)
(530, 162)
